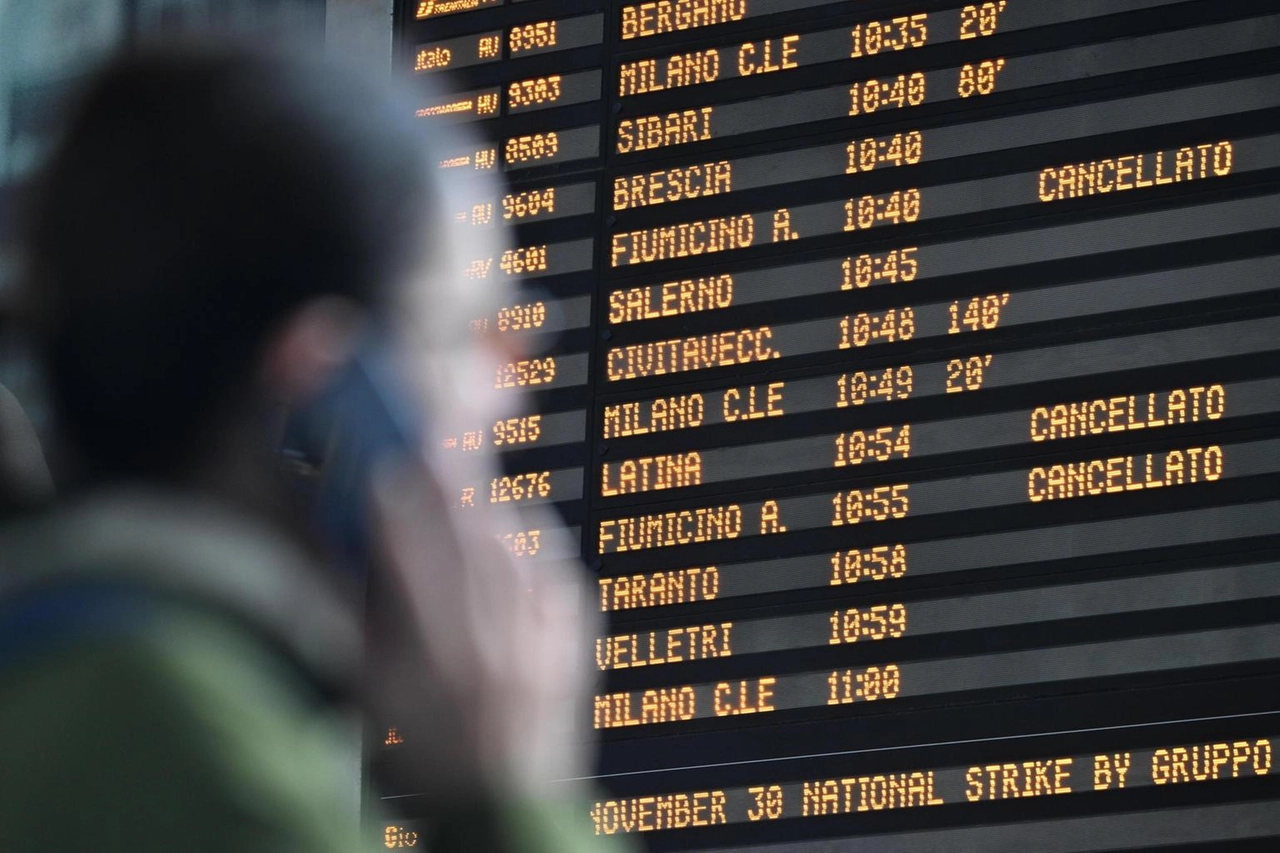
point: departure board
(908, 375)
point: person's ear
(310, 345)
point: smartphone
(364, 414)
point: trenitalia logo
(435, 8)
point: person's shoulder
(189, 728)
(187, 675)
(154, 686)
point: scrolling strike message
(1046, 776)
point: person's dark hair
(195, 201)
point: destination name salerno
(670, 299)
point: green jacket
(206, 716)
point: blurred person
(211, 241)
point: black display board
(910, 376)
